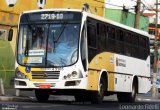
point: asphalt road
(68, 103)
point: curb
(148, 99)
(15, 98)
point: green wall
(7, 62)
(126, 18)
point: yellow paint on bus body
(29, 75)
(93, 80)
(102, 61)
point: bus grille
(45, 74)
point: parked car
(157, 85)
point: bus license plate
(45, 86)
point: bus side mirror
(10, 35)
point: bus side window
(106, 35)
(147, 46)
(119, 41)
(111, 39)
(127, 44)
(101, 37)
(141, 50)
(135, 46)
(106, 31)
(112, 33)
(92, 46)
(91, 32)
(142, 46)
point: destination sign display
(54, 16)
(50, 16)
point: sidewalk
(10, 95)
(148, 97)
(15, 98)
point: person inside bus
(38, 39)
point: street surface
(144, 102)
(67, 105)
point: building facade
(126, 18)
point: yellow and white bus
(69, 51)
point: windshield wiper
(60, 32)
(26, 51)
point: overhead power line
(145, 6)
(131, 8)
(108, 3)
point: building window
(152, 31)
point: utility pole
(137, 15)
(155, 66)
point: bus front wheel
(97, 97)
(42, 95)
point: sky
(127, 3)
(130, 4)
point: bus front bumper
(80, 83)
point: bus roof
(95, 17)
(54, 9)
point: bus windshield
(48, 45)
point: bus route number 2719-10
(52, 16)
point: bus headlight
(69, 76)
(73, 75)
(65, 77)
(21, 75)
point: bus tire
(42, 95)
(78, 98)
(132, 95)
(128, 97)
(121, 97)
(82, 97)
(97, 97)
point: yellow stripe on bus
(23, 70)
(101, 61)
